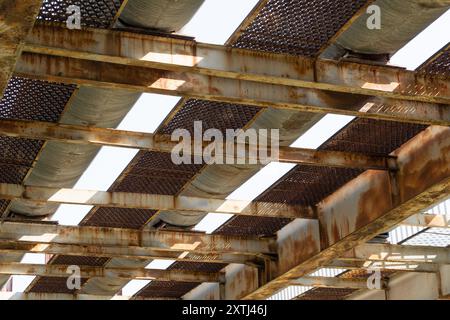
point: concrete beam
(62, 271)
(168, 240)
(330, 282)
(398, 253)
(177, 55)
(163, 143)
(376, 201)
(129, 252)
(152, 201)
(427, 221)
(16, 21)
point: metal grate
(94, 13)
(155, 172)
(53, 285)
(252, 226)
(298, 27)
(440, 65)
(28, 99)
(197, 267)
(308, 185)
(326, 294)
(79, 261)
(166, 289)
(215, 115)
(118, 218)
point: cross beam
(145, 68)
(404, 266)
(376, 201)
(331, 282)
(152, 201)
(63, 271)
(16, 22)
(162, 143)
(129, 252)
(399, 253)
(67, 296)
(158, 239)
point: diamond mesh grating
(298, 27)
(326, 294)
(118, 218)
(53, 285)
(197, 267)
(79, 261)
(94, 13)
(28, 99)
(216, 115)
(308, 185)
(440, 66)
(166, 289)
(252, 226)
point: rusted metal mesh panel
(3, 205)
(118, 218)
(155, 172)
(325, 294)
(298, 27)
(197, 267)
(79, 261)
(16, 158)
(439, 65)
(52, 285)
(252, 226)
(28, 99)
(215, 115)
(94, 13)
(166, 289)
(308, 185)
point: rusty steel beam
(398, 253)
(213, 88)
(152, 201)
(167, 240)
(403, 266)
(376, 201)
(66, 296)
(16, 22)
(162, 143)
(129, 252)
(62, 271)
(427, 221)
(331, 282)
(221, 61)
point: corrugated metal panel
(299, 27)
(94, 13)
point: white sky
(221, 19)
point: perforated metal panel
(94, 13)
(299, 27)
